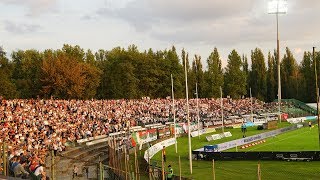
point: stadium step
(80, 156)
(89, 150)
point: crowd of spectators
(33, 127)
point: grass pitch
(301, 139)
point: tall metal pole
(197, 96)
(187, 97)
(198, 116)
(278, 59)
(221, 107)
(317, 89)
(174, 115)
(251, 106)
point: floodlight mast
(278, 7)
(317, 90)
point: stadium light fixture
(278, 7)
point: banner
(146, 136)
(296, 120)
(218, 136)
(240, 142)
(149, 153)
(163, 132)
(202, 131)
(193, 127)
(179, 129)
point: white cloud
(20, 28)
(34, 7)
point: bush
(260, 127)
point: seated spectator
(19, 170)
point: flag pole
(198, 116)
(188, 120)
(251, 106)
(197, 96)
(174, 116)
(221, 105)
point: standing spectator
(309, 125)
(170, 173)
(244, 129)
(87, 172)
(75, 171)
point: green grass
(301, 139)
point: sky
(197, 26)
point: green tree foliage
(27, 72)
(102, 62)
(271, 81)
(245, 67)
(289, 76)
(257, 80)
(234, 80)
(72, 72)
(214, 76)
(196, 78)
(7, 87)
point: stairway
(81, 156)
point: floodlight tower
(317, 90)
(278, 7)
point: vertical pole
(174, 116)
(221, 107)
(52, 165)
(251, 106)
(213, 170)
(115, 156)
(138, 170)
(100, 174)
(136, 162)
(149, 168)
(179, 168)
(317, 90)
(259, 172)
(189, 138)
(162, 166)
(197, 96)
(4, 157)
(236, 147)
(126, 163)
(198, 115)
(278, 58)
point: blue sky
(197, 26)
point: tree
(65, 75)
(27, 72)
(214, 75)
(289, 75)
(102, 62)
(257, 75)
(234, 80)
(196, 76)
(271, 81)
(7, 87)
(245, 67)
